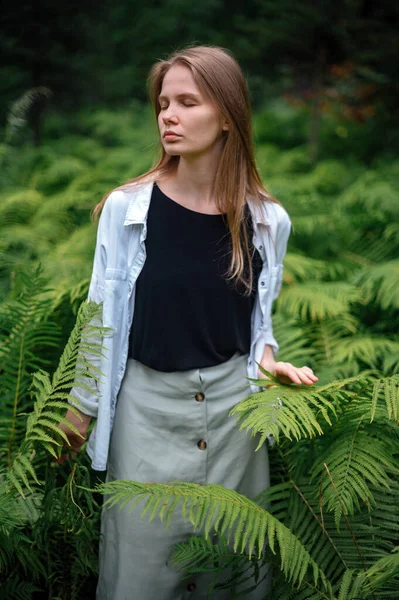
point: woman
(187, 263)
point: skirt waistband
(225, 376)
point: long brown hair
(218, 75)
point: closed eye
(187, 104)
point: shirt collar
(141, 197)
(259, 211)
(139, 204)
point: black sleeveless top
(187, 314)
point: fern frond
(375, 529)
(381, 284)
(355, 462)
(387, 391)
(212, 507)
(19, 110)
(51, 402)
(15, 544)
(345, 592)
(308, 225)
(201, 555)
(19, 206)
(385, 570)
(60, 173)
(293, 340)
(303, 268)
(292, 410)
(14, 589)
(327, 336)
(367, 350)
(11, 515)
(314, 302)
(229, 570)
(373, 194)
(30, 328)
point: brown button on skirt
(161, 433)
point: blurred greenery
(342, 254)
(75, 123)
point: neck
(194, 180)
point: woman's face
(195, 123)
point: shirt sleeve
(87, 402)
(282, 235)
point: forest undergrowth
(331, 515)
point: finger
(309, 373)
(291, 373)
(296, 374)
(305, 377)
(63, 458)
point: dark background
(334, 55)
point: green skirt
(173, 427)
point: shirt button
(191, 587)
(260, 247)
(199, 396)
(202, 445)
(262, 283)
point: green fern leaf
(314, 302)
(292, 410)
(381, 284)
(232, 515)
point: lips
(171, 135)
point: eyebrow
(184, 95)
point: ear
(225, 125)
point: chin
(172, 152)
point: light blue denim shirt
(118, 259)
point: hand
(76, 441)
(287, 373)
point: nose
(169, 115)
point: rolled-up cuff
(269, 340)
(86, 405)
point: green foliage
(229, 570)
(224, 511)
(315, 302)
(20, 206)
(60, 174)
(18, 359)
(17, 590)
(47, 526)
(381, 284)
(21, 109)
(334, 491)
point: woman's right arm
(82, 398)
(76, 441)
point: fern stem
(321, 501)
(70, 488)
(326, 344)
(349, 527)
(324, 530)
(321, 594)
(16, 398)
(349, 460)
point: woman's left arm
(285, 372)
